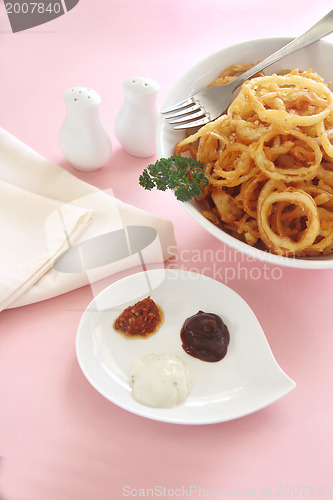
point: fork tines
(187, 113)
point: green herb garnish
(184, 175)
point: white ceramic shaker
(83, 138)
(135, 125)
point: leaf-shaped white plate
(246, 380)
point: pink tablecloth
(59, 438)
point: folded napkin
(59, 233)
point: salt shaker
(83, 138)
(135, 125)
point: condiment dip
(141, 319)
(160, 380)
(205, 336)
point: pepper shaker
(135, 125)
(83, 138)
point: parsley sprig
(184, 176)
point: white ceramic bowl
(318, 56)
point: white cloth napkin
(46, 211)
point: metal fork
(211, 102)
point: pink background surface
(59, 438)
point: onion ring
(282, 86)
(282, 243)
(271, 169)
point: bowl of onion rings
(269, 158)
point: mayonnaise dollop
(160, 380)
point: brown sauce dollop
(205, 336)
(143, 318)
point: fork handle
(319, 30)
